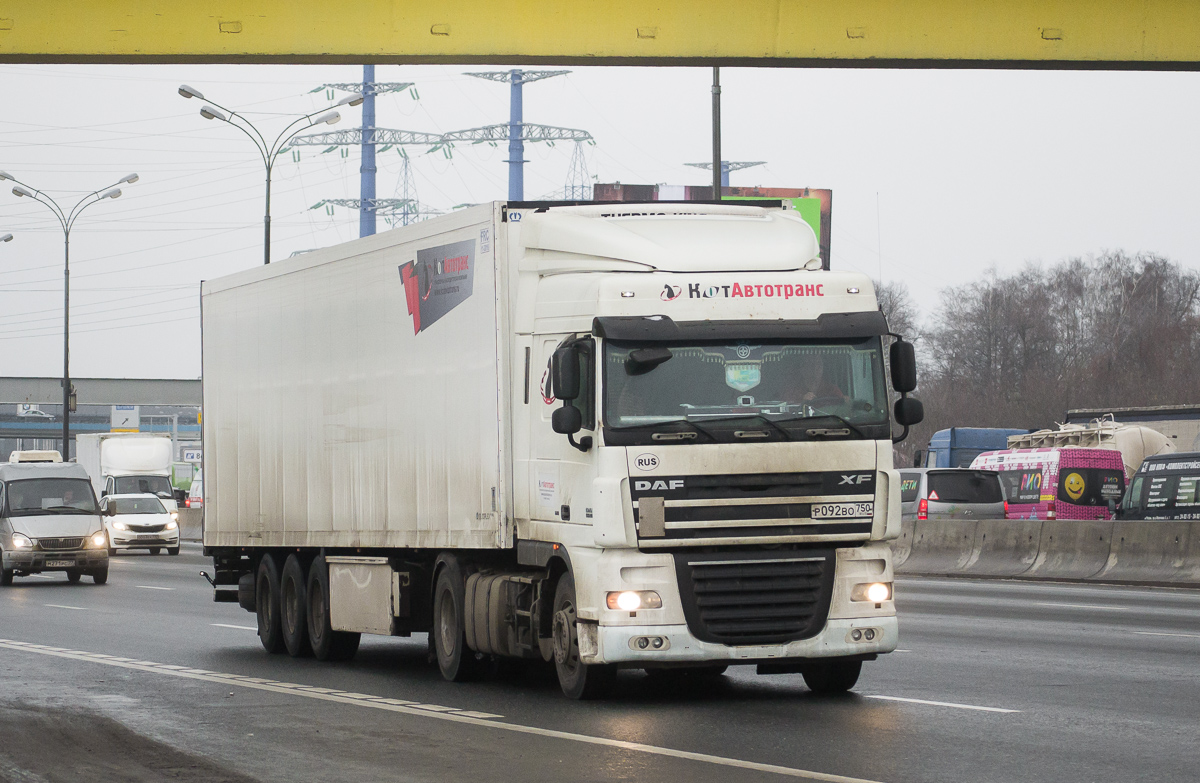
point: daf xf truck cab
(653, 436)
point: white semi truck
(653, 436)
(124, 463)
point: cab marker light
(627, 294)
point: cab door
(560, 476)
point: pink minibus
(1063, 482)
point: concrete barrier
(1004, 547)
(1153, 551)
(1072, 549)
(902, 546)
(940, 546)
(190, 524)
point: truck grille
(60, 543)
(755, 597)
(756, 508)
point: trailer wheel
(456, 661)
(327, 644)
(577, 679)
(266, 594)
(293, 607)
(832, 676)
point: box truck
(125, 463)
(653, 436)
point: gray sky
(936, 175)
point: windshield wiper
(685, 435)
(846, 427)
(743, 434)
(52, 510)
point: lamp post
(268, 151)
(67, 221)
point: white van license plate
(842, 510)
(60, 564)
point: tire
(577, 679)
(6, 577)
(112, 551)
(74, 575)
(327, 644)
(154, 550)
(293, 607)
(100, 576)
(172, 551)
(266, 602)
(832, 676)
(456, 661)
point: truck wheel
(74, 575)
(266, 594)
(327, 644)
(577, 679)
(456, 661)
(832, 676)
(293, 607)
(100, 575)
(6, 577)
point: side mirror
(909, 411)
(109, 510)
(567, 420)
(904, 367)
(564, 372)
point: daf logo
(650, 486)
(743, 351)
(856, 478)
(646, 461)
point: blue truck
(957, 446)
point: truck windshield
(740, 391)
(32, 497)
(143, 485)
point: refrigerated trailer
(653, 436)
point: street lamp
(268, 151)
(67, 221)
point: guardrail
(1134, 551)
(191, 524)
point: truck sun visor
(662, 328)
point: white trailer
(648, 436)
(122, 463)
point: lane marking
(239, 627)
(1088, 606)
(60, 606)
(1152, 633)
(940, 703)
(152, 587)
(432, 711)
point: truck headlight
(874, 592)
(632, 600)
(20, 541)
(172, 525)
(99, 540)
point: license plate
(842, 510)
(60, 564)
(149, 535)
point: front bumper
(37, 561)
(129, 540)
(613, 644)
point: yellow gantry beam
(1150, 34)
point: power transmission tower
(367, 171)
(728, 166)
(579, 182)
(517, 133)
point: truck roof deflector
(662, 328)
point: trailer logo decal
(670, 292)
(438, 281)
(749, 291)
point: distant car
(950, 493)
(195, 498)
(34, 413)
(139, 522)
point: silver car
(950, 493)
(49, 521)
